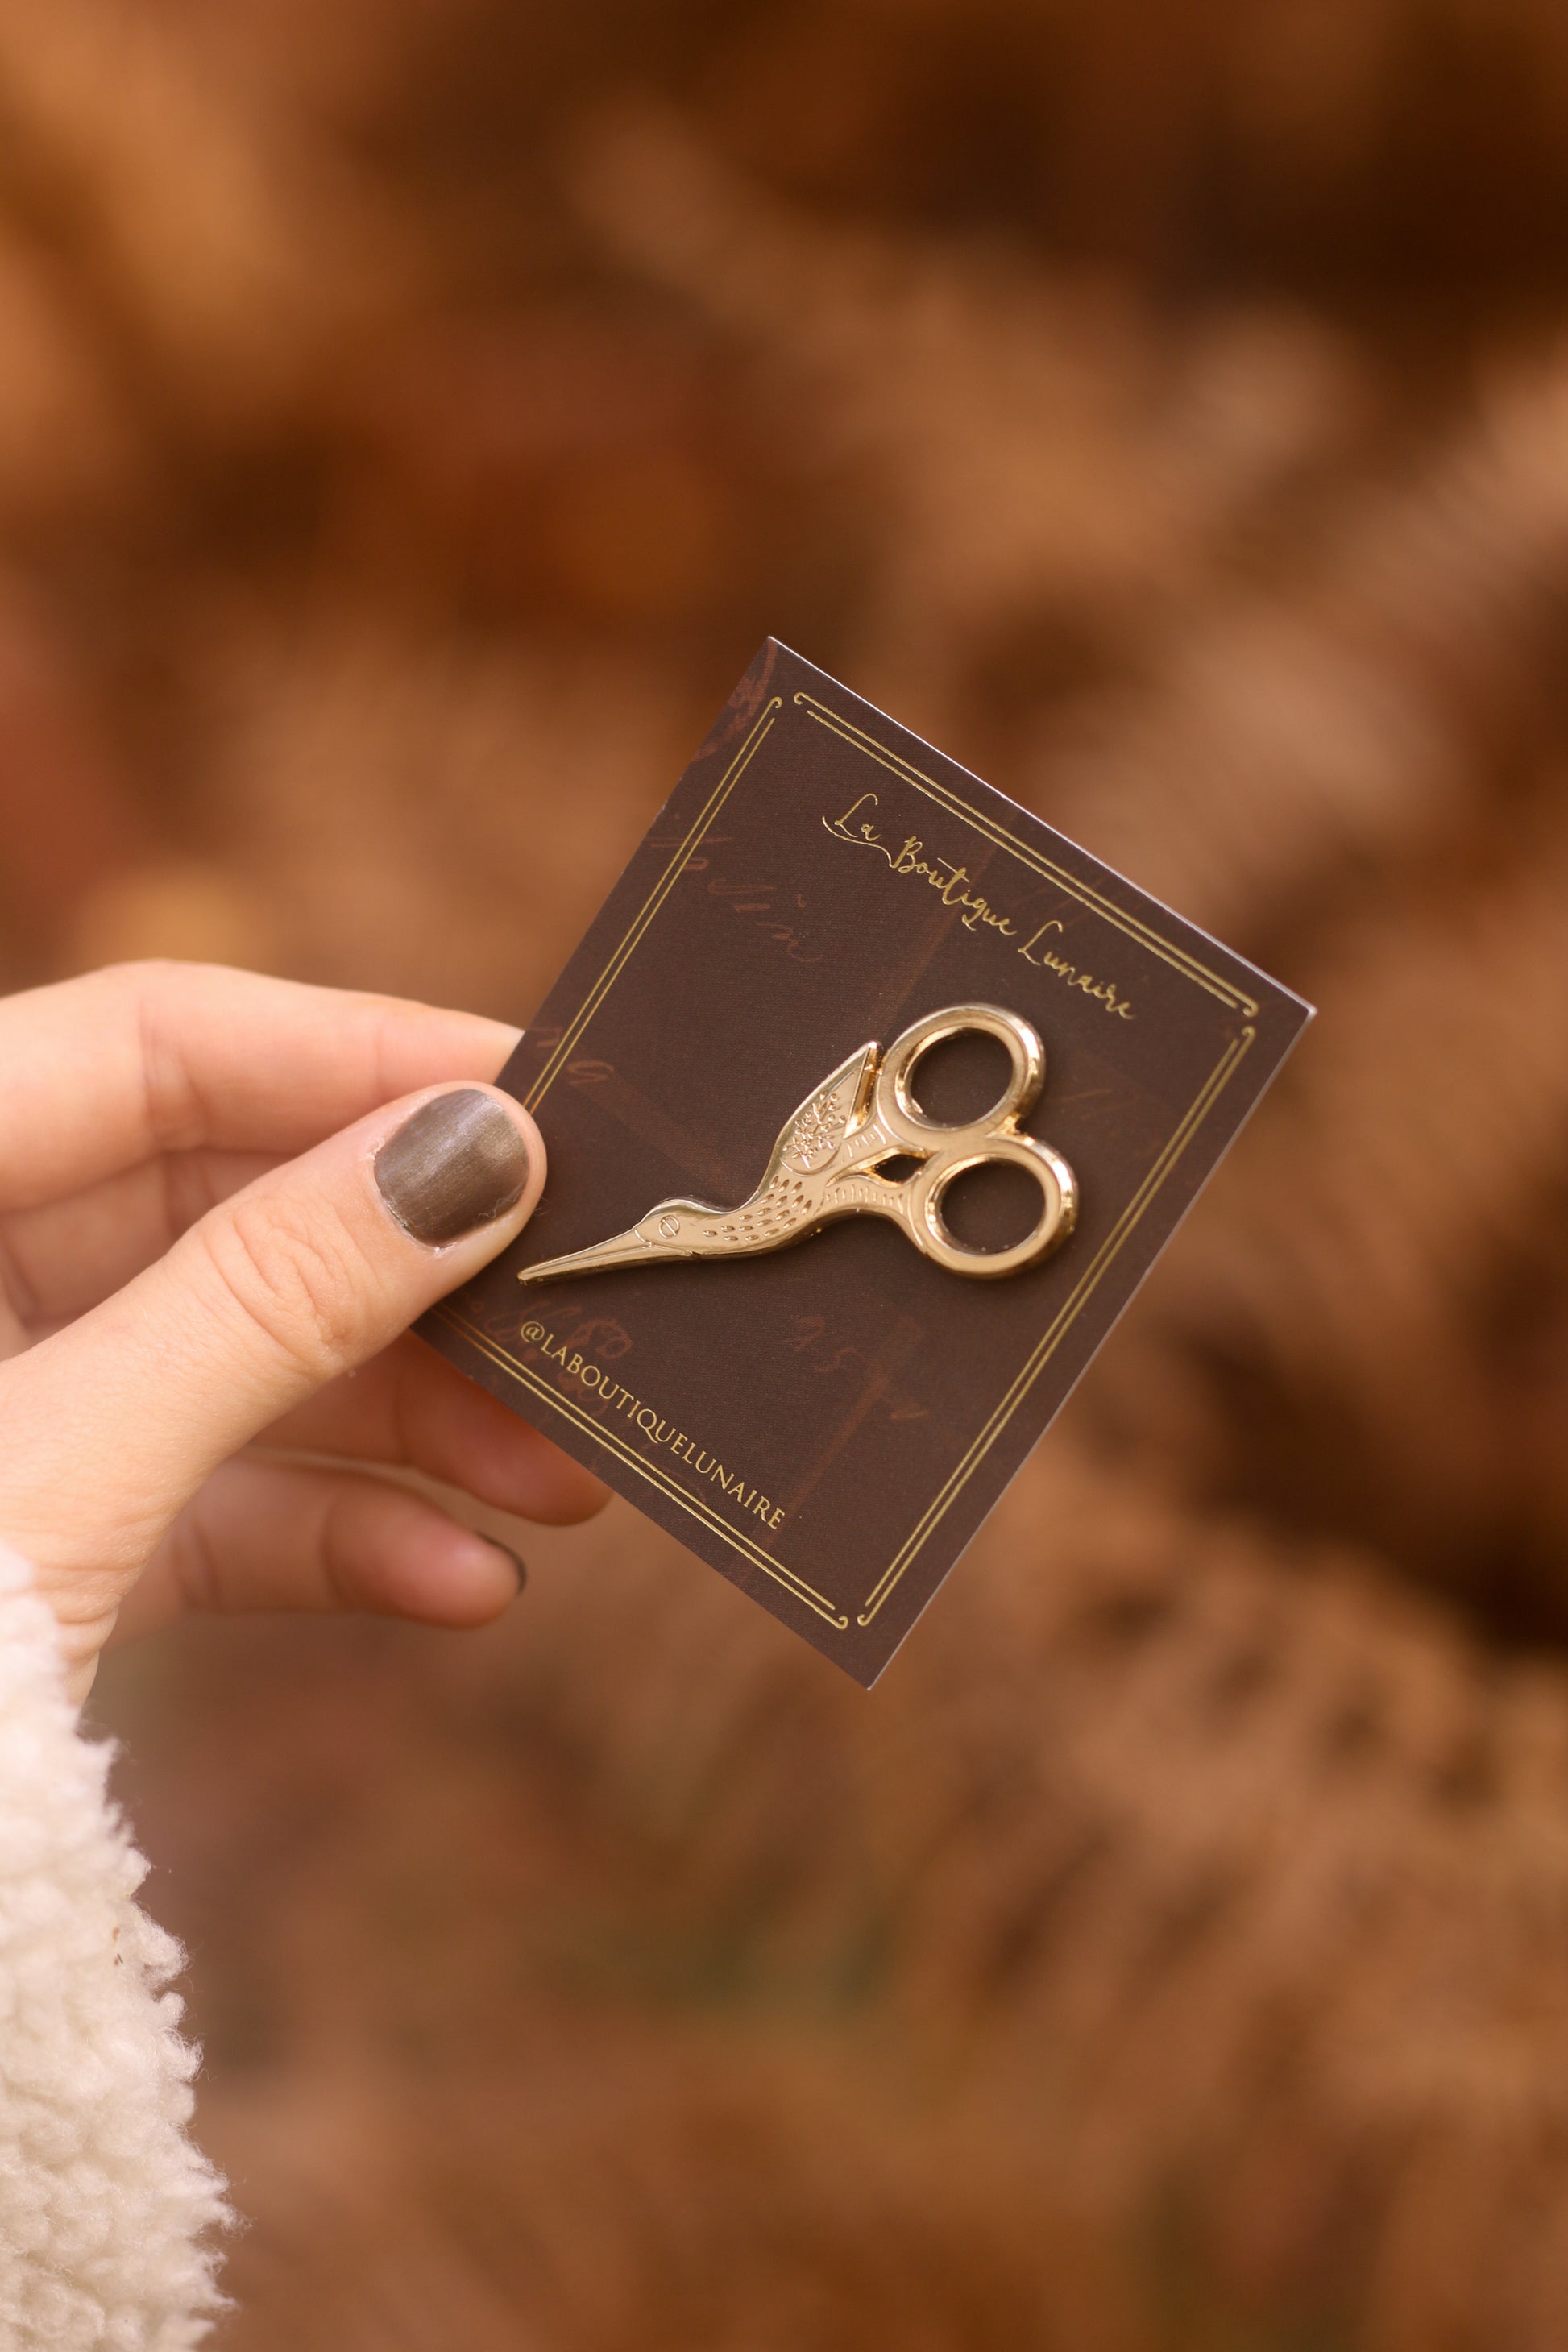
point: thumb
(113, 1423)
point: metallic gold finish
(826, 1163)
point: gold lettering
(1102, 991)
(974, 911)
(661, 1433)
(866, 836)
(1039, 935)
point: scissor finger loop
(949, 1151)
(896, 1105)
(1059, 1203)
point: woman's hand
(222, 1200)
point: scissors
(827, 1160)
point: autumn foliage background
(411, 415)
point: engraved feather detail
(821, 1123)
(787, 1198)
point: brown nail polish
(458, 1163)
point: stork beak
(621, 1249)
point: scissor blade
(621, 1249)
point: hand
(176, 1284)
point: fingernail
(507, 1553)
(458, 1162)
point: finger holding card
(118, 1420)
(406, 1410)
(275, 1535)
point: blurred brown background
(411, 414)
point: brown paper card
(827, 1425)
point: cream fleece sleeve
(105, 2204)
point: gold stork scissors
(826, 1163)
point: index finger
(102, 1073)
